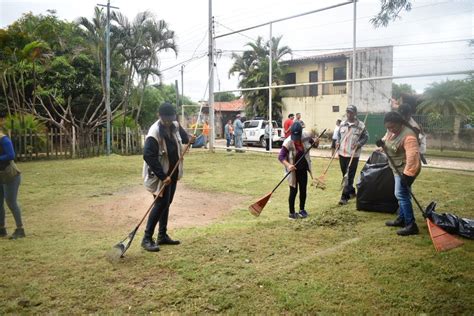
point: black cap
(296, 131)
(167, 111)
(352, 108)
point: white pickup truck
(254, 133)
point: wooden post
(73, 141)
(61, 142)
(126, 141)
(36, 147)
(47, 144)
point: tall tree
(252, 69)
(447, 98)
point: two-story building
(321, 105)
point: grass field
(338, 260)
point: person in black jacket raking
(163, 147)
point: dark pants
(267, 146)
(9, 193)
(349, 188)
(159, 212)
(301, 183)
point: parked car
(254, 133)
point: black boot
(410, 229)
(3, 232)
(398, 222)
(18, 233)
(149, 245)
(166, 240)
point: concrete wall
(317, 112)
(372, 96)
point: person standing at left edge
(163, 147)
(10, 179)
(352, 136)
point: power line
(184, 62)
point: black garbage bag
(376, 185)
(450, 222)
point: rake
(442, 240)
(320, 182)
(118, 251)
(257, 207)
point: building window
(290, 78)
(339, 74)
(335, 108)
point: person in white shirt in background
(334, 137)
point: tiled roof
(232, 106)
(328, 57)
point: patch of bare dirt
(190, 208)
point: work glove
(408, 180)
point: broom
(257, 207)
(442, 240)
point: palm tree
(141, 42)
(158, 38)
(94, 32)
(446, 98)
(252, 69)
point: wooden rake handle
(298, 161)
(188, 145)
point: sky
(429, 38)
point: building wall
(374, 96)
(371, 96)
(317, 112)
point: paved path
(433, 162)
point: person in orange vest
(205, 133)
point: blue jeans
(228, 140)
(9, 193)
(402, 193)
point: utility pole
(270, 81)
(182, 95)
(107, 72)
(211, 77)
(177, 93)
(354, 53)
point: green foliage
(446, 98)
(390, 11)
(24, 123)
(252, 69)
(154, 97)
(225, 97)
(124, 121)
(400, 89)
